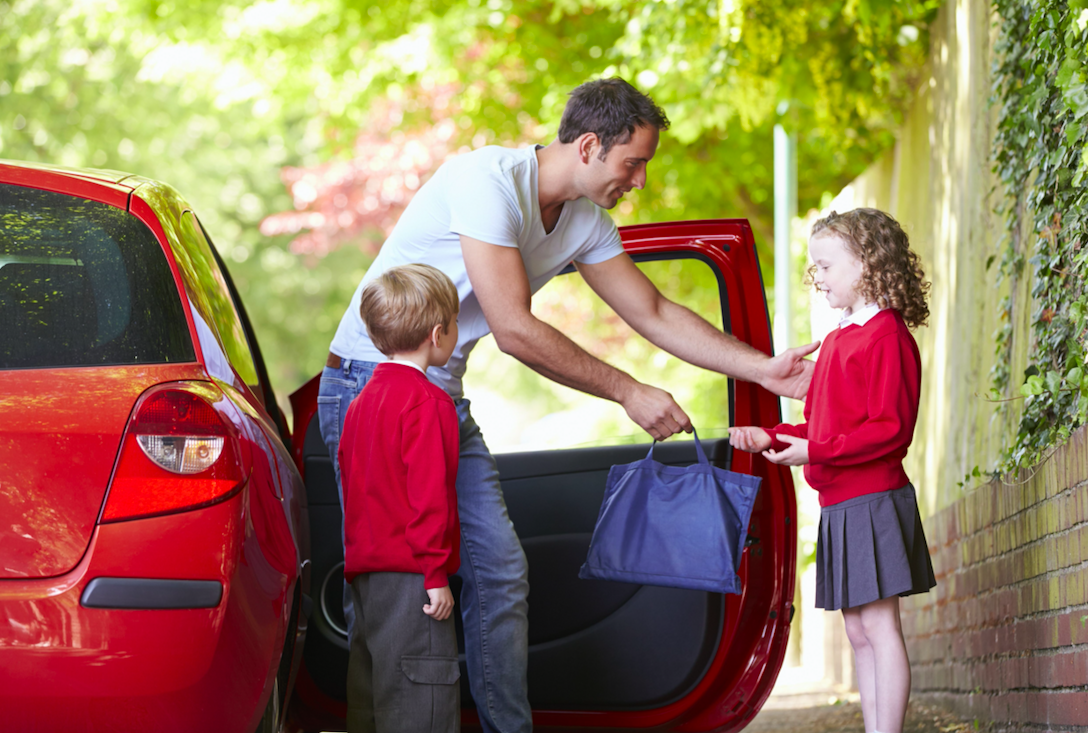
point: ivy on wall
(1040, 152)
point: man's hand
(655, 411)
(750, 439)
(795, 455)
(789, 373)
(441, 603)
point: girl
(860, 415)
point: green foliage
(971, 477)
(837, 73)
(1040, 88)
(218, 97)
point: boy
(398, 461)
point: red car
(606, 655)
(154, 545)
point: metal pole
(785, 209)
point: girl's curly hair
(891, 275)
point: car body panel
(66, 666)
(189, 669)
(63, 427)
(552, 496)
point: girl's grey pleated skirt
(871, 547)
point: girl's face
(837, 271)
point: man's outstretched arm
(502, 288)
(684, 334)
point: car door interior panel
(580, 631)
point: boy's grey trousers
(402, 671)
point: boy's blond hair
(403, 304)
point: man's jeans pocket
(329, 419)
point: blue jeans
(495, 574)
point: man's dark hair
(612, 109)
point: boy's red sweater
(398, 468)
(861, 409)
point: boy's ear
(437, 331)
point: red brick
(1004, 640)
(1020, 667)
(1063, 632)
(1065, 708)
(1066, 672)
(1077, 621)
(959, 646)
(1019, 707)
(1080, 668)
(1036, 672)
(952, 524)
(1050, 632)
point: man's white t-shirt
(489, 194)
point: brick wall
(1004, 637)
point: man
(501, 223)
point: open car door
(606, 655)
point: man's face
(624, 168)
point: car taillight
(180, 451)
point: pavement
(800, 705)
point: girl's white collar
(861, 316)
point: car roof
(99, 175)
(108, 186)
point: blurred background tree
(299, 129)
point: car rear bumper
(66, 666)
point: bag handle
(698, 449)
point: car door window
(208, 291)
(520, 410)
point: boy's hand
(795, 455)
(751, 440)
(441, 603)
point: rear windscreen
(83, 283)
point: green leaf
(1032, 387)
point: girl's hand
(795, 455)
(441, 603)
(749, 439)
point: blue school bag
(679, 526)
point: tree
(221, 99)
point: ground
(824, 712)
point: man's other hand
(789, 373)
(655, 411)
